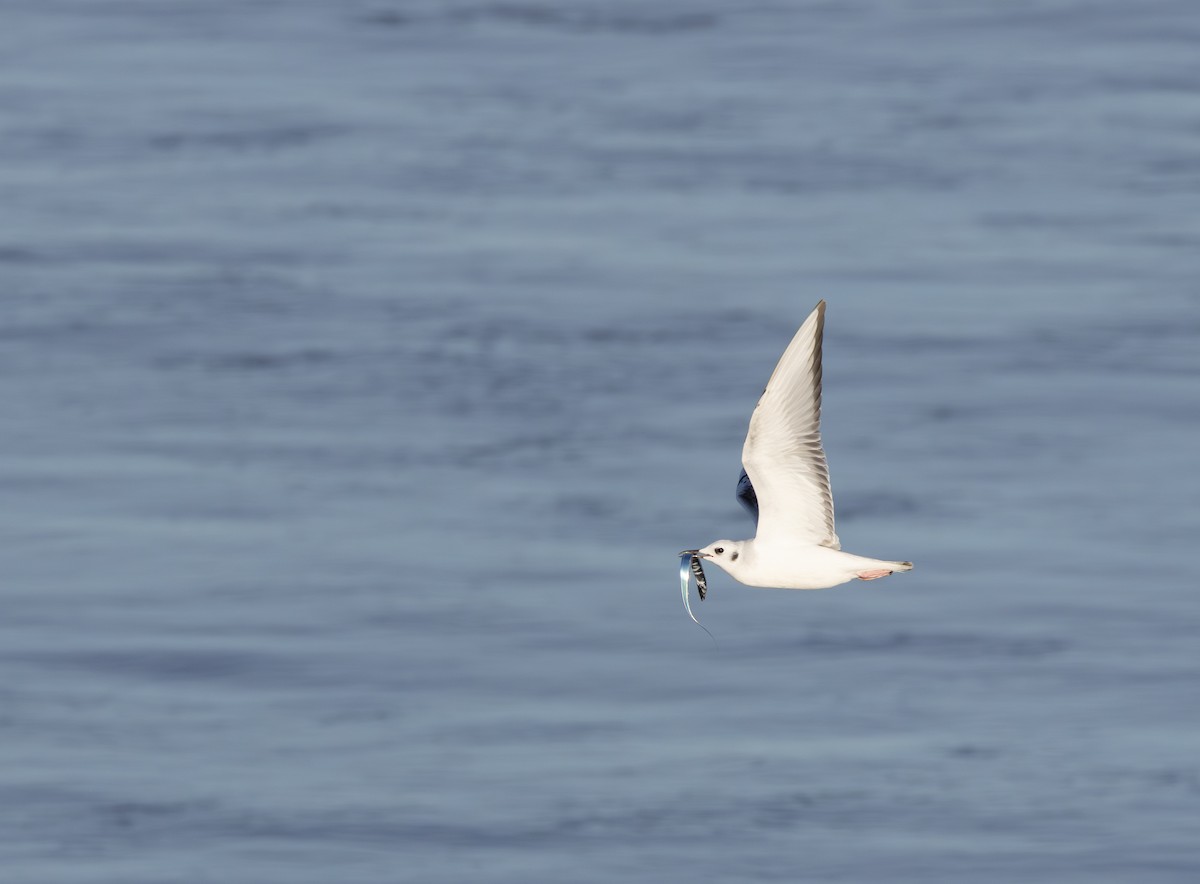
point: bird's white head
(726, 553)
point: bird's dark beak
(694, 552)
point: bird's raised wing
(783, 455)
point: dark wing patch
(746, 496)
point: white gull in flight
(785, 487)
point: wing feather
(783, 455)
(746, 496)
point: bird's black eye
(719, 550)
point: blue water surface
(364, 365)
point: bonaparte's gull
(785, 486)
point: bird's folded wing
(783, 454)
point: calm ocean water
(364, 365)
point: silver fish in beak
(701, 582)
(689, 566)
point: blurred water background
(364, 365)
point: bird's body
(801, 565)
(785, 485)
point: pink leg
(873, 575)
